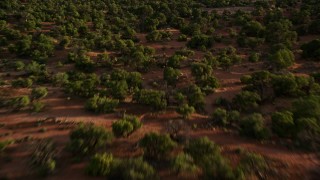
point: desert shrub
(19, 66)
(233, 117)
(220, 116)
(207, 155)
(18, 103)
(182, 37)
(185, 110)
(155, 99)
(200, 42)
(195, 97)
(307, 107)
(201, 148)
(254, 57)
(43, 157)
(246, 100)
(37, 106)
(284, 85)
(282, 59)
(308, 136)
(158, 36)
(84, 63)
(22, 83)
(119, 89)
(175, 61)
(217, 167)
(60, 78)
(86, 138)
(252, 164)
(134, 168)
(99, 104)
(35, 68)
(184, 165)
(156, 146)
(228, 57)
(280, 32)
(39, 93)
(64, 42)
(81, 84)
(253, 126)
(283, 124)
(203, 75)
(171, 75)
(122, 128)
(100, 165)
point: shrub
(308, 133)
(175, 61)
(119, 89)
(39, 93)
(283, 124)
(43, 157)
(195, 97)
(307, 107)
(60, 78)
(134, 120)
(19, 66)
(182, 37)
(233, 117)
(220, 116)
(284, 85)
(153, 98)
(185, 166)
(37, 106)
(22, 83)
(247, 100)
(185, 110)
(122, 128)
(201, 148)
(171, 75)
(156, 146)
(253, 126)
(207, 155)
(200, 42)
(158, 36)
(101, 104)
(87, 138)
(100, 165)
(19, 102)
(133, 169)
(282, 59)
(253, 164)
(254, 57)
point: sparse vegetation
(226, 69)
